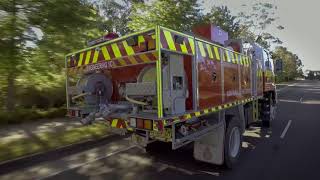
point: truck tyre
(233, 143)
(269, 112)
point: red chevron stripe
(188, 46)
(122, 50)
(163, 40)
(128, 62)
(138, 59)
(112, 56)
(151, 57)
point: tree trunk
(11, 91)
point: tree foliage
(35, 36)
(116, 14)
(175, 14)
(258, 18)
(292, 64)
(221, 16)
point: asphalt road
(290, 149)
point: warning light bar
(102, 39)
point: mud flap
(210, 148)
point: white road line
(285, 129)
(83, 164)
(301, 100)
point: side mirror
(278, 66)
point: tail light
(140, 123)
(147, 124)
(143, 124)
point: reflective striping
(116, 50)
(144, 57)
(216, 51)
(188, 116)
(191, 43)
(241, 59)
(236, 58)
(209, 51)
(184, 48)
(197, 114)
(88, 55)
(148, 57)
(141, 39)
(201, 48)
(95, 56)
(114, 123)
(122, 62)
(105, 53)
(133, 60)
(227, 56)
(169, 39)
(128, 48)
(80, 59)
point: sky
(300, 19)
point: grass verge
(48, 141)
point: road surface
(290, 149)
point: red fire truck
(180, 88)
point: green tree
(15, 32)
(221, 16)
(292, 64)
(35, 35)
(175, 14)
(116, 14)
(258, 19)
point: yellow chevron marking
(209, 51)
(187, 116)
(95, 56)
(233, 59)
(244, 61)
(144, 57)
(155, 54)
(216, 51)
(202, 51)
(141, 39)
(236, 58)
(87, 57)
(133, 60)
(115, 50)
(80, 59)
(128, 48)
(184, 48)
(191, 42)
(114, 123)
(122, 62)
(105, 53)
(169, 39)
(227, 56)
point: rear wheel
(233, 142)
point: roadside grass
(21, 115)
(48, 141)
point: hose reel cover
(98, 87)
